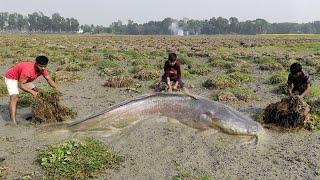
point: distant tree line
(38, 22)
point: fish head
(231, 122)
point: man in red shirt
(21, 75)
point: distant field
(290, 35)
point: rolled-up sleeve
(290, 81)
(178, 71)
(166, 69)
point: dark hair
(43, 60)
(295, 68)
(172, 57)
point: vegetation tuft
(220, 81)
(187, 175)
(278, 77)
(3, 170)
(77, 159)
(47, 108)
(118, 82)
(3, 88)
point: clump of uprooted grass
(3, 88)
(66, 76)
(225, 96)
(47, 108)
(290, 112)
(220, 81)
(77, 159)
(145, 72)
(233, 95)
(120, 81)
(242, 94)
(278, 77)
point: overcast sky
(104, 12)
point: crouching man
(298, 81)
(20, 76)
(172, 74)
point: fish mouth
(237, 128)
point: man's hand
(34, 93)
(170, 89)
(175, 87)
(58, 92)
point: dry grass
(118, 82)
(47, 108)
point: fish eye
(210, 113)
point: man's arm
(178, 75)
(169, 84)
(306, 91)
(51, 83)
(22, 85)
(290, 87)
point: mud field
(218, 68)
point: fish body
(194, 111)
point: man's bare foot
(11, 123)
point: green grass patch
(25, 100)
(110, 54)
(199, 69)
(278, 77)
(265, 60)
(190, 62)
(316, 123)
(220, 81)
(303, 47)
(241, 77)
(187, 175)
(77, 159)
(288, 35)
(186, 74)
(221, 63)
(133, 54)
(111, 68)
(3, 88)
(311, 70)
(314, 92)
(242, 94)
(3, 171)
